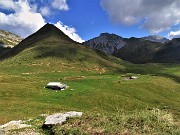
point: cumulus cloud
(7, 5)
(45, 11)
(174, 34)
(60, 5)
(24, 21)
(158, 15)
(69, 31)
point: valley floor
(105, 98)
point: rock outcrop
(59, 118)
(106, 42)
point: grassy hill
(97, 85)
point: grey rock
(2, 132)
(59, 118)
(109, 43)
(13, 125)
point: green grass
(96, 84)
(23, 95)
(146, 122)
(149, 121)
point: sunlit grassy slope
(95, 79)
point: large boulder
(59, 118)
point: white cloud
(174, 34)
(45, 11)
(159, 15)
(60, 5)
(7, 5)
(69, 31)
(24, 21)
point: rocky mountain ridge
(138, 50)
(8, 39)
(106, 42)
(155, 38)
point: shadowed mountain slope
(170, 52)
(138, 50)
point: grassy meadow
(92, 89)
(97, 85)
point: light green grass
(95, 79)
(143, 122)
(23, 95)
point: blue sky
(85, 19)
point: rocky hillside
(156, 39)
(8, 39)
(138, 50)
(106, 42)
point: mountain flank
(151, 49)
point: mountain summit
(49, 30)
(106, 42)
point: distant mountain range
(138, 50)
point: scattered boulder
(13, 125)
(59, 118)
(50, 121)
(134, 77)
